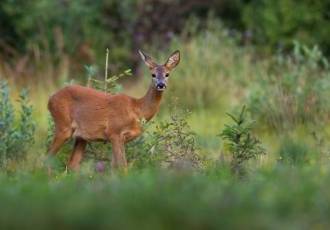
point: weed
(170, 144)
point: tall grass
(281, 198)
(294, 90)
(212, 68)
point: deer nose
(161, 85)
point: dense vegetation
(241, 140)
(35, 33)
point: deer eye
(166, 75)
(153, 75)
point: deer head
(161, 73)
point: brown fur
(90, 115)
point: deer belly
(90, 132)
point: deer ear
(173, 60)
(147, 60)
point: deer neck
(149, 104)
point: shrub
(240, 141)
(16, 134)
(170, 144)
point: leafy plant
(242, 144)
(108, 84)
(170, 144)
(16, 134)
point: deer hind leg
(63, 125)
(77, 154)
(118, 155)
(60, 137)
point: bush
(240, 141)
(16, 134)
(170, 144)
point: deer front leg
(118, 154)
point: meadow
(201, 163)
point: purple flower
(100, 167)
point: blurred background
(60, 37)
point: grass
(285, 198)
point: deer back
(92, 114)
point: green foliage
(241, 143)
(197, 86)
(295, 89)
(54, 26)
(50, 130)
(282, 198)
(170, 144)
(275, 24)
(294, 152)
(16, 134)
(83, 29)
(110, 85)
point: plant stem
(106, 70)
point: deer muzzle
(161, 86)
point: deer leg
(77, 154)
(118, 154)
(61, 136)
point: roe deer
(90, 115)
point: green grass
(278, 198)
